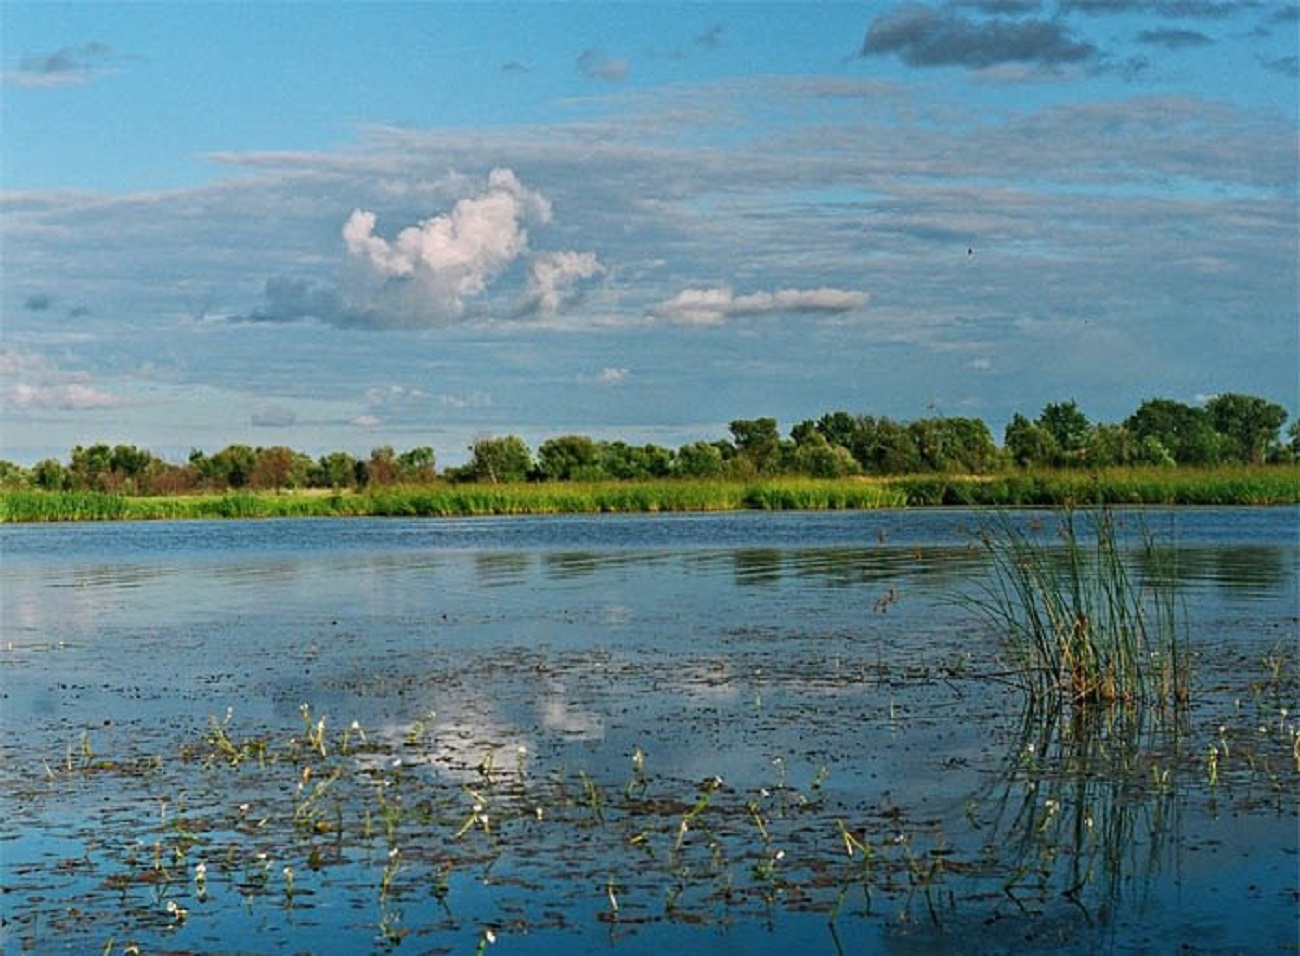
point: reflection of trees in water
(1085, 808)
(850, 567)
(495, 568)
(757, 565)
(1245, 569)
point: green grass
(1236, 485)
(1225, 485)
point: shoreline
(1224, 487)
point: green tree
(1069, 429)
(1110, 445)
(13, 475)
(381, 467)
(1247, 426)
(1185, 432)
(1292, 447)
(232, 467)
(757, 443)
(498, 460)
(338, 469)
(699, 459)
(48, 473)
(279, 467)
(630, 462)
(886, 447)
(1029, 444)
(816, 456)
(841, 428)
(418, 465)
(91, 468)
(569, 458)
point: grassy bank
(1220, 486)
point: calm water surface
(823, 658)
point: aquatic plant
(1078, 623)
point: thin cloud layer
(1174, 39)
(598, 65)
(31, 382)
(716, 305)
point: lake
(738, 732)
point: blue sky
(345, 225)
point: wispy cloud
(1174, 39)
(1194, 9)
(715, 305)
(273, 416)
(30, 381)
(710, 39)
(598, 65)
(1286, 65)
(67, 66)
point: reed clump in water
(1081, 627)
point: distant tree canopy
(1229, 428)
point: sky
(338, 226)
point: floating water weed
(315, 733)
(637, 785)
(390, 872)
(593, 797)
(701, 804)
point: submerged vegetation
(244, 825)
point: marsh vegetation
(1219, 486)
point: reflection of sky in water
(276, 604)
(729, 645)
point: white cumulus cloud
(453, 256)
(716, 305)
(552, 274)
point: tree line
(1230, 428)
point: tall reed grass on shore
(1080, 627)
(1216, 486)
